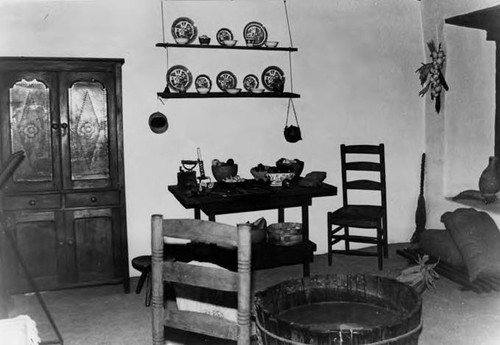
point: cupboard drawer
(92, 199)
(32, 202)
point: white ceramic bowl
(203, 90)
(233, 91)
(271, 44)
(182, 40)
(229, 43)
(256, 90)
(278, 178)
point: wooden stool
(143, 265)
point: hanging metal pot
(292, 134)
(158, 123)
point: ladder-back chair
(361, 173)
(166, 313)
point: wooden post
(157, 279)
(244, 286)
(4, 293)
(497, 97)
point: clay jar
(489, 181)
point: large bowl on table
(294, 166)
(222, 172)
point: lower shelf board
(242, 94)
(264, 255)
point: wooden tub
(339, 309)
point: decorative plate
(250, 82)
(224, 34)
(256, 32)
(270, 75)
(226, 80)
(203, 80)
(184, 27)
(179, 78)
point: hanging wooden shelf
(218, 46)
(221, 94)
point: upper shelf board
(217, 46)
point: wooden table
(257, 196)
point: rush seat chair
(363, 173)
(167, 273)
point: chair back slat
(362, 149)
(363, 166)
(208, 277)
(201, 231)
(202, 323)
(363, 185)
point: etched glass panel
(88, 131)
(30, 130)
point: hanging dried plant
(431, 76)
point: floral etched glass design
(30, 130)
(88, 131)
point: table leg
(281, 215)
(197, 213)
(305, 237)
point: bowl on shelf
(181, 40)
(278, 178)
(284, 234)
(229, 43)
(203, 90)
(233, 91)
(222, 172)
(204, 39)
(256, 90)
(271, 44)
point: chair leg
(346, 241)
(380, 248)
(386, 248)
(141, 281)
(147, 302)
(329, 230)
(386, 245)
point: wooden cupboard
(66, 201)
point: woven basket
(284, 234)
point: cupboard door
(39, 243)
(29, 122)
(95, 237)
(89, 150)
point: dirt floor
(106, 316)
